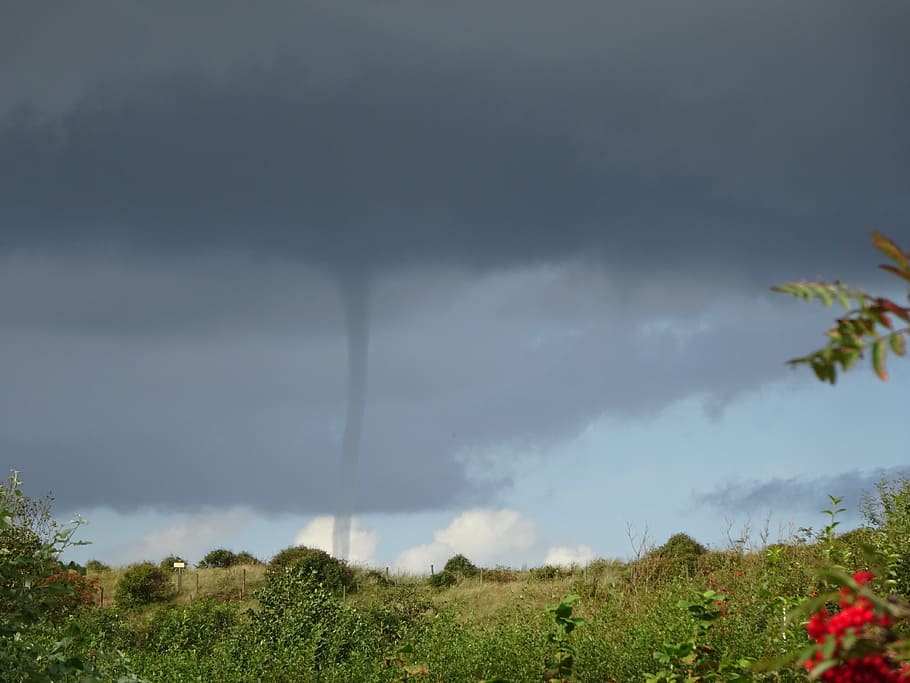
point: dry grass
(227, 583)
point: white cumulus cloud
(485, 536)
(318, 534)
(564, 556)
(190, 536)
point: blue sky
(491, 280)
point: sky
(544, 232)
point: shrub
(197, 626)
(499, 575)
(76, 592)
(97, 567)
(305, 629)
(243, 557)
(887, 513)
(546, 573)
(443, 579)
(218, 558)
(376, 578)
(459, 564)
(143, 584)
(32, 599)
(332, 573)
(679, 555)
(167, 564)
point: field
(677, 613)
(288, 627)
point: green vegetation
(167, 564)
(681, 612)
(868, 323)
(335, 575)
(461, 566)
(96, 567)
(143, 584)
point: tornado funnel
(355, 299)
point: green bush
(39, 639)
(459, 564)
(887, 514)
(243, 557)
(143, 584)
(167, 564)
(197, 626)
(97, 567)
(443, 579)
(218, 558)
(375, 577)
(679, 555)
(546, 573)
(332, 573)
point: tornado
(355, 300)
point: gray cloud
(397, 134)
(246, 407)
(564, 213)
(798, 494)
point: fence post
(243, 584)
(197, 583)
(432, 573)
(102, 597)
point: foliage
(443, 579)
(500, 575)
(39, 643)
(562, 664)
(244, 557)
(693, 658)
(856, 634)
(332, 573)
(461, 565)
(856, 643)
(29, 527)
(143, 584)
(868, 325)
(97, 567)
(197, 626)
(302, 626)
(218, 558)
(887, 514)
(167, 564)
(77, 594)
(677, 557)
(547, 572)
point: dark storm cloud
(180, 187)
(478, 137)
(804, 494)
(248, 408)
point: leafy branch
(869, 323)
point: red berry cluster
(857, 616)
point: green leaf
(821, 668)
(879, 351)
(898, 345)
(842, 298)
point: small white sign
(179, 565)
